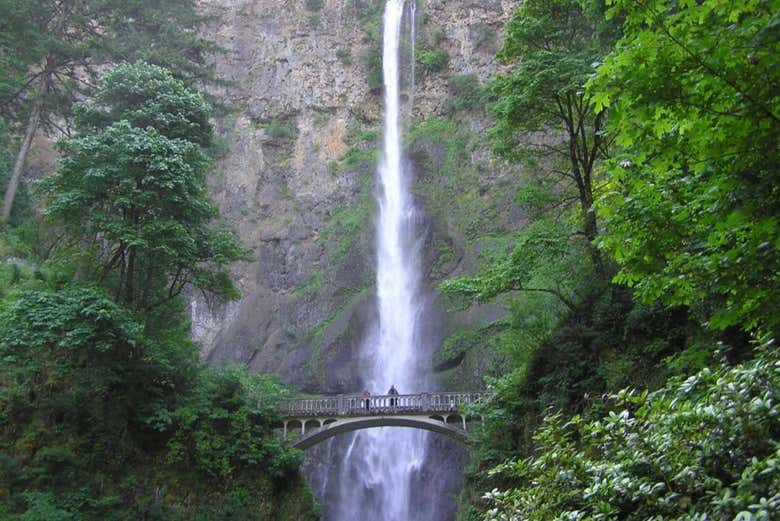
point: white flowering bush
(703, 448)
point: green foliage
(80, 381)
(147, 96)
(348, 224)
(225, 427)
(470, 206)
(76, 351)
(454, 348)
(344, 55)
(168, 34)
(357, 158)
(483, 350)
(485, 37)
(692, 211)
(366, 9)
(105, 412)
(370, 15)
(469, 94)
(690, 214)
(279, 130)
(131, 190)
(372, 60)
(345, 226)
(315, 5)
(567, 361)
(313, 20)
(50, 54)
(544, 260)
(365, 136)
(312, 287)
(21, 46)
(658, 455)
(553, 47)
(95, 416)
(438, 147)
(432, 60)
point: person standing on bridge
(393, 392)
(367, 396)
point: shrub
(279, 131)
(700, 448)
(344, 56)
(432, 60)
(469, 93)
(372, 59)
(226, 426)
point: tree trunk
(590, 229)
(24, 149)
(129, 277)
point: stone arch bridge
(317, 419)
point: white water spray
(382, 464)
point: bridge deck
(356, 405)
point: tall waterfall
(397, 245)
(381, 465)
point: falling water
(397, 246)
(380, 465)
(413, 38)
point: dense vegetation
(105, 409)
(635, 374)
(649, 132)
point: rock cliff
(297, 177)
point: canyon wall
(296, 176)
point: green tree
(96, 415)
(543, 261)
(80, 362)
(51, 51)
(692, 210)
(553, 47)
(168, 34)
(131, 190)
(225, 427)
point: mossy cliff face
(297, 180)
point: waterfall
(381, 465)
(397, 245)
(413, 38)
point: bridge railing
(357, 405)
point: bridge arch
(320, 418)
(330, 429)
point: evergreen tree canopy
(131, 189)
(50, 53)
